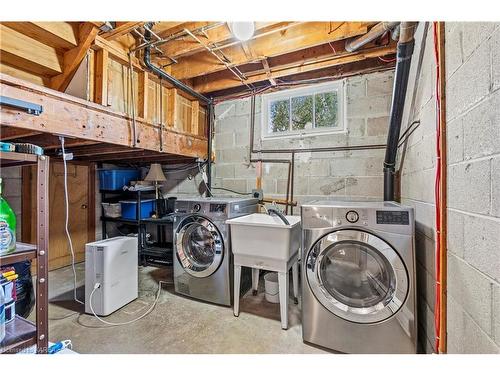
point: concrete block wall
(473, 123)
(473, 156)
(317, 175)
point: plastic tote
(272, 287)
(116, 179)
(129, 208)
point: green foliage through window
(304, 112)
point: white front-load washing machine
(202, 248)
(358, 279)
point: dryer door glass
(356, 274)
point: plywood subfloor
(177, 325)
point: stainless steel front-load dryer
(202, 253)
(358, 280)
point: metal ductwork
(403, 63)
(181, 86)
(375, 32)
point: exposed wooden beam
(101, 77)
(121, 28)
(74, 56)
(73, 117)
(224, 81)
(21, 51)
(60, 35)
(7, 134)
(305, 35)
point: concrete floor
(177, 325)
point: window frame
(267, 99)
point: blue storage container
(116, 179)
(129, 208)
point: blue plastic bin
(129, 208)
(116, 179)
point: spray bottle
(7, 226)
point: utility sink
(265, 236)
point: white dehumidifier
(113, 264)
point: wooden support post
(142, 95)
(172, 108)
(101, 77)
(195, 117)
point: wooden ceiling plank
(24, 52)
(74, 57)
(305, 35)
(186, 46)
(60, 35)
(205, 84)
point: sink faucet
(276, 212)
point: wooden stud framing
(195, 117)
(101, 77)
(172, 108)
(143, 94)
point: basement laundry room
(181, 186)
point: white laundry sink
(265, 236)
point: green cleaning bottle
(7, 225)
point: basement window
(304, 111)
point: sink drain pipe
(403, 64)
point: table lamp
(156, 174)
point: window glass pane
(326, 109)
(280, 115)
(302, 112)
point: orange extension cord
(438, 195)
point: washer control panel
(352, 216)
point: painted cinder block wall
(473, 157)
(317, 175)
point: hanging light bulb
(242, 30)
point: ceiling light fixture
(242, 30)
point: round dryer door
(199, 246)
(357, 276)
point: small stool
(267, 264)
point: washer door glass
(357, 276)
(199, 246)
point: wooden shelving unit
(22, 333)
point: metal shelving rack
(22, 333)
(144, 250)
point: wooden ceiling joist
(305, 35)
(29, 54)
(224, 81)
(7, 134)
(121, 28)
(60, 35)
(76, 118)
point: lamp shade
(155, 173)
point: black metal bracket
(32, 109)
